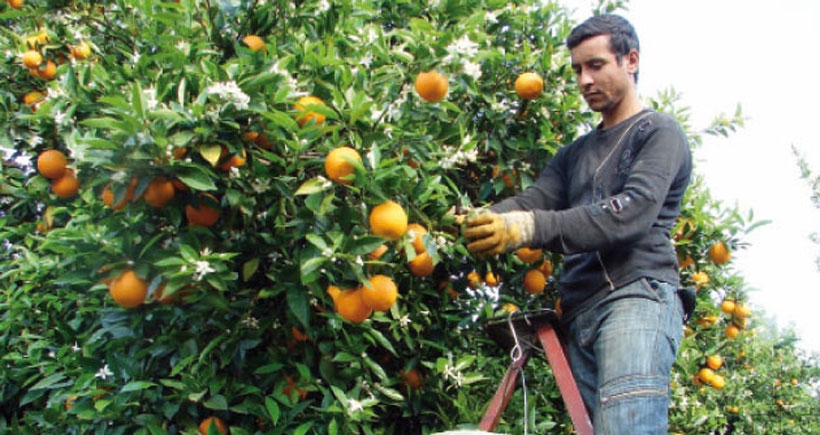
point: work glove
(491, 233)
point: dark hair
(622, 36)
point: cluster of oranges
(53, 165)
(708, 373)
(356, 305)
(739, 314)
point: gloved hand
(493, 233)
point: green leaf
(314, 185)
(391, 393)
(195, 177)
(365, 245)
(136, 386)
(48, 381)
(249, 268)
(211, 153)
(217, 402)
(303, 428)
(273, 410)
(299, 305)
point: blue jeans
(621, 350)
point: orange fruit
(290, 384)
(528, 255)
(203, 215)
(714, 362)
(412, 378)
(16, 4)
(81, 51)
(377, 253)
(128, 289)
(33, 98)
(534, 282)
(333, 291)
(254, 42)
(52, 164)
(706, 375)
(732, 331)
(741, 311)
(108, 195)
(234, 161)
(490, 278)
(683, 263)
(509, 307)
(351, 306)
(32, 58)
(388, 220)
(381, 294)
(47, 73)
(159, 191)
(66, 186)
(719, 253)
(214, 422)
(474, 279)
(415, 233)
(431, 86)
(421, 265)
(718, 382)
(728, 306)
(305, 115)
(339, 163)
(179, 152)
(700, 278)
(546, 268)
(529, 85)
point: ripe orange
(718, 382)
(546, 268)
(377, 253)
(474, 279)
(422, 265)
(529, 85)
(108, 195)
(339, 163)
(382, 293)
(534, 282)
(304, 115)
(47, 73)
(16, 4)
(81, 51)
(714, 362)
(33, 99)
(333, 291)
(719, 253)
(528, 255)
(706, 375)
(254, 42)
(412, 378)
(431, 86)
(700, 278)
(351, 306)
(490, 278)
(159, 192)
(67, 185)
(51, 164)
(388, 220)
(128, 289)
(728, 306)
(741, 311)
(203, 215)
(415, 233)
(214, 422)
(509, 307)
(732, 331)
(32, 59)
(683, 263)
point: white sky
(760, 54)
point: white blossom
(323, 6)
(462, 47)
(472, 69)
(355, 405)
(451, 373)
(75, 348)
(104, 373)
(202, 268)
(230, 92)
(405, 321)
(150, 98)
(490, 17)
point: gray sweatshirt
(607, 202)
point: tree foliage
(238, 323)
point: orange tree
(196, 135)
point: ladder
(523, 332)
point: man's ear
(632, 61)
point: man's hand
(492, 233)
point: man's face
(603, 80)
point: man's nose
(584, 78)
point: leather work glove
(496, 233)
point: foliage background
(166, 76)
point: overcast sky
(717, 54)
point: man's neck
(628, 108)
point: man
(608, 202)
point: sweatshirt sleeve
(627, 215)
